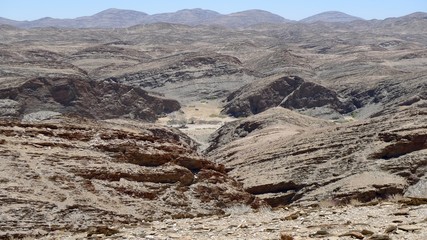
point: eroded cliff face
(78, 95)
(75, 173)
(360, 160)
(290, 92)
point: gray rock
(40, 116)
(419, 190)
(10, 108)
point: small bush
(240, 209)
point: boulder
(418, 190)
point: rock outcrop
(418, 191)
(271, 121)
(287, 91)
(188, 76)
(79, 96)
(73, 174)
(358, 160)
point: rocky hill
(76, 96)
(358, 160)
(39, 80)
(276, 119)
(288, 92)
(330, 16)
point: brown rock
(286, 236)
(292, 216)
(321, 232)
(379, 237)
(409, 228)
(402, 212)
(367, 232)
(104, 230)
(354, 234)
(390, 229)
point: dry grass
(396, 198)
(328, 203)
(355, 202)
(240, 209)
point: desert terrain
(198, 125)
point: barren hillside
(170, 126)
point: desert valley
(201, 125)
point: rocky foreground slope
(360, 160)
(73, 174)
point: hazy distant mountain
(412, 16)
(331, 16)
(116, 18)
(186, 16)
(8, 21)
(112, 18)
(251, 17)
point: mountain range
(118, 18)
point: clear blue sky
(290, 9)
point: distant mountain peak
(197, 10)
(118, 11)
(331, 16)
(416, 15)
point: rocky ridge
(189, 76)
(359, 160)
(73, 174)
(288, 92)
(274, 120)
(76, 96)
(39, 80)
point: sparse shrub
(355, 202)
(395, 198)
(192, 120)
(328, 203)
(240, 209)
(177, 118)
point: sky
(290, 9)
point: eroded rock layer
(79, 96)
(360, 160)
(72, 174)
(286, 91)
